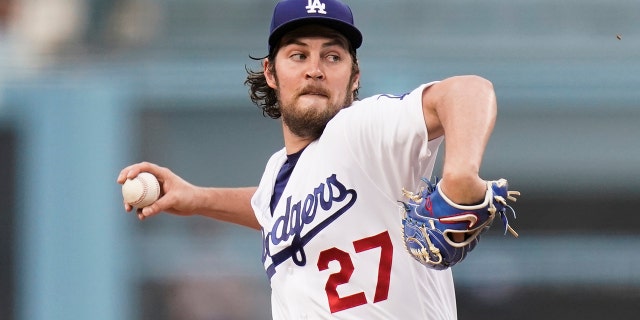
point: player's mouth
(314, 92)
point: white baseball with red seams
(142, 190)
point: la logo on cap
(315, 6)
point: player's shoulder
(395, 99)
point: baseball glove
(431, 222)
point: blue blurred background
(90, 86)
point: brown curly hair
(265, 97)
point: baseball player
(328, 202)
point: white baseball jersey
(333, 248)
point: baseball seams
(145, 188)
(141, 191)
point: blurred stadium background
(89, 86)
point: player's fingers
(140, 215)
(133, 170)
(152, 209)
(125, 172)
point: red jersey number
(337, 303)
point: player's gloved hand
(431, 220)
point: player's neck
(292, 142)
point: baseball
(141, 191)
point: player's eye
(333, 58)
(297, 57)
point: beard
(310, 122)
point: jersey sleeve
(387, 136)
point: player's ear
(356, 79)
(269, 73)
(356, 83)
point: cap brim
(349, 31)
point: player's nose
(314, 70)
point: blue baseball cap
(291, 14)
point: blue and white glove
(431, 220)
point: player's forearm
(467, 112)
(228, 204)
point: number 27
(337, 303)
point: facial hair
(310, 122)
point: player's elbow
(483, 86)
(473, 84)
(477, 89)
